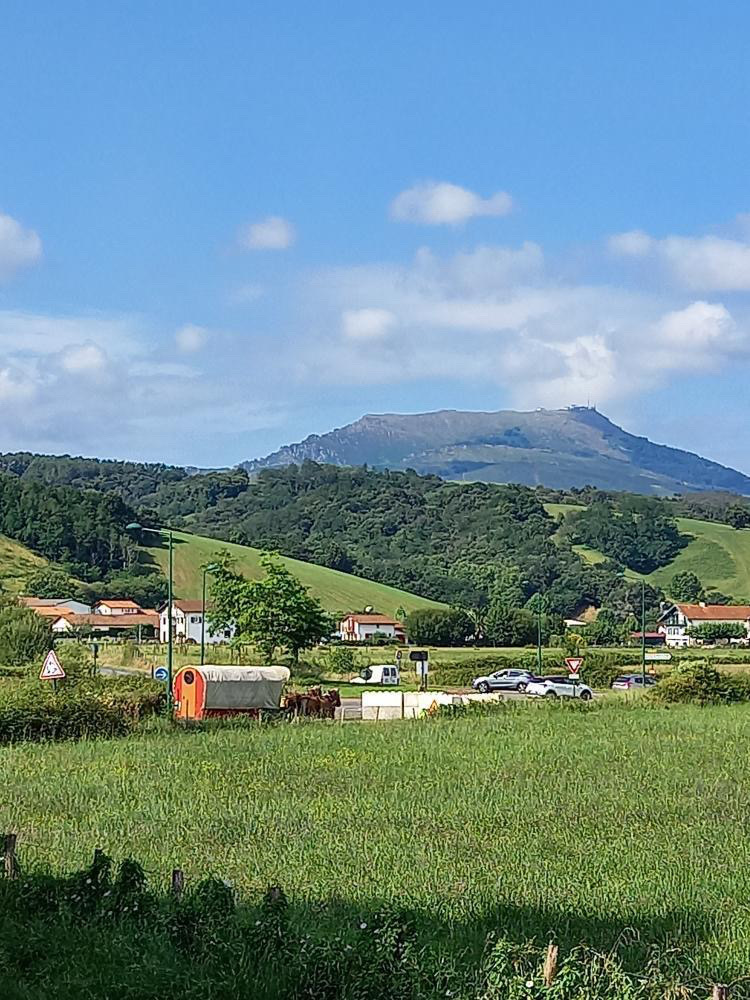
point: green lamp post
(170, 586)
(211, 568)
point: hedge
(600, 667)
(92, 709)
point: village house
(360, 628)
(187, 619)
(124, 607)
(65, 604)
(677, 619)
(141, 625)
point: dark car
(633, 682)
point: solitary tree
(686, 586)
(276, 612)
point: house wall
(186, 627)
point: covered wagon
(208, 691)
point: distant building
(651, 638)
(360, 628)
(677, 619)
(145, 625)
(117, 608)
(187, 619)
(64, 603)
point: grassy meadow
(336, 591)
(17, 564)
(619, 826)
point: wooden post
(720, 992)
(178, 883)
(342, 712)
(550, 964)
(10, 862)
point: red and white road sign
(52, 668)
(574, 663)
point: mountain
(561, 449)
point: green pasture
(335, 590)
(615, 824)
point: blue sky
(226, 226)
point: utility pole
(643, 632)
(211, 568)
(539, 635)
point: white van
(381, 673)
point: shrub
(696, 682)
(24, 636)
(439, 627)
(88, 709)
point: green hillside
(336, 591)
(17, 563)
(718, 554)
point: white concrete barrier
(378, 705)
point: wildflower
(362, 926)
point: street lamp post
(211, 568)
(539, 635)
(643, 633)
(170, 581)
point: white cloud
(191, 338)
(367, 324)
(497, 315)
(700, 263)
(83, 359)
(635, 243)
(273, 233)
(19, 247)
(441, 203)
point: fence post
(10, 862)
(178, 883)
(720, 992)
(550, 964)
(342, 712)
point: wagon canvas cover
(244, 687)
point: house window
(195, 619)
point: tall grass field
(622, 827)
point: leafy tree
(686, 586)
(149, 590)
(606, 629)
(717, 631)
(738, 516)
(24, 636)
(511, 626)
(716, 597)
(276, 612)
(437, 627)
(51, 581)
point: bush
(24, 636)
(88, 709)
(439, 627)
(696, 682)
(600, 667)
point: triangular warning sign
(51, 668)
(574, 663)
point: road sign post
(52, 670)
(421, 659)
(574, 664)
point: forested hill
(469, 544)
(562, 449)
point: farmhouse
(677, 619)
(360, 628)
(117, 608)
(187, 620)
(145, 624)
(65, 604)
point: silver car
(510, 679)
(558, 687)
(633, 682)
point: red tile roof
(374, 620)
(716, 612)
(112, 621)
(118, 604)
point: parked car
(632, 682)
(558, 687)
(503, 680)
(381, 673)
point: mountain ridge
(562, 449)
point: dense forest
(82, 530)
(468, 544)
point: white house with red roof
(125, 607)
(677, 619)
(187, 622)
(360, 628)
